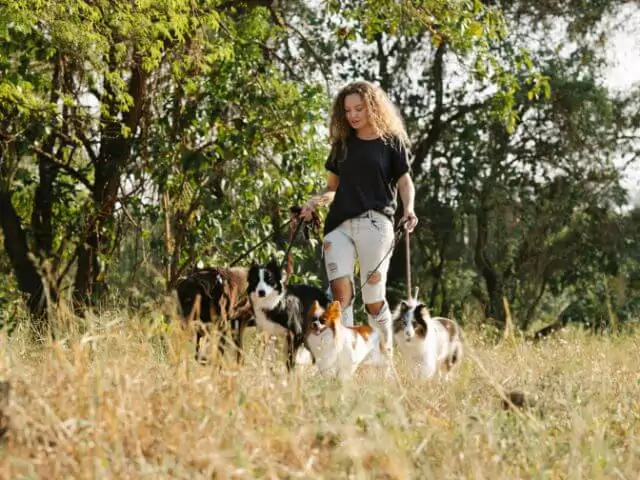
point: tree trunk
(438, 282)
(42, 214)
(493, 281)
(115, 151)
(16, 244)
(17, 248)
(41, 217)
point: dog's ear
(334, 310)
(253, 268)
(404, 306)
(274, 268)
(421, 315)
(424, 311)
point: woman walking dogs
(367, 167)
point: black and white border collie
(281, 309)
(431, 345)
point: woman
(368, 165)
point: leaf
(476, 29)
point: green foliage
(206, 120)
(471, 30)
(604, 289)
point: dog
(432, 345)
(338, 350)
(216, 296)
(281, 309)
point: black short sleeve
(400, 160)
(369, 170)
(332, 160)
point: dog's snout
(261, 293)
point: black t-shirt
(369, 171)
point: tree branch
(71, 171)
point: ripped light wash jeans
(367, 238)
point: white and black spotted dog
(431, 345)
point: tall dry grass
(123, 398)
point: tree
(114, 101)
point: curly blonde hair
(383, 115)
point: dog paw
(303, 357)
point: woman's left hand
(410, 220)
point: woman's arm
(407, 194)
(322, 199)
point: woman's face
(356, 111)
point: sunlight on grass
(125, 399)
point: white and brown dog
(339, 350)
(431, 345)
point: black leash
(299, 223)
(399, 230)
(245, 254)
(309, 226)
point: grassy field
(125, 400)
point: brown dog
(216, 296)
